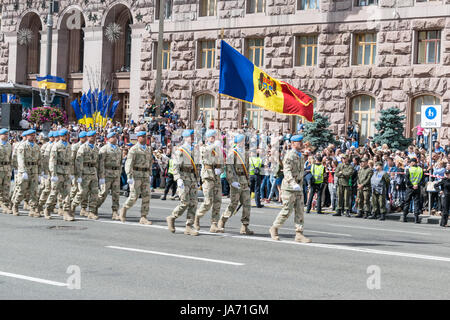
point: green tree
(318, 133)
(390, 130)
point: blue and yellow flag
(51, 82)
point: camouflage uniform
(363, 194)
(344, 191)
(60, 167)
(5, 175)
(45, 181)
(74, 190)
(44, 166)
(110, 157)
(87, 168)
(29, 162)
(14, 166)
(380, 182)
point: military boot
(382, 217)
(299, 237)
(366, 215)
(61, 211)
(359, 215)
(30, 212)
(123, 214)
(4, 209)
(47, 214)
(274, 233)
(214, 228)
(197, 223)
(221, 224)
(171, 223)
(246, 230)
(190, 231)
(25, 205)
(36, 213)
(93, 216)
(15, 211)
(163, 197)
(338, 213)
(83, 212)
(348, 214)
(373, 216)
(145, 221)
(67, 216)
(115, 216)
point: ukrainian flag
(51, 82)
(242, 80)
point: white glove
(25, 176)
(218, 171)
(54, 179)
(101, 181)
(180, 184)
(79, 180)
(218, 144)
(296, 187)
(236, 185)
(130, 181)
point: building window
(255, 51)
(363, 3)
(167, 11)
(255, 6)
(165, 55)
(307, 4)
(363, 112)
(365, 49)
(429, 46)
(207, 8)
(306, 51)
(253, 117)
(298, 121)
(417, 107)
(205, 105)
(207, 54)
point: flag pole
(219, 102)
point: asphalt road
(348, 259)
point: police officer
(414, 180)
(29, 167)
(5, 171)
(110, 157)
(86, 168)
(364, 189)
(138, 168)
(45, 180)
(236, 168)
(444, 187)
(380, 182)
(344, 172)
(61, 174)
(73, 192)
(185, 173)
(212, 166)
(318, 173)
(291, 191)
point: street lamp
(159, 56)
(47, 96)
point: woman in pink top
(419, 136)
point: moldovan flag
(241, 79)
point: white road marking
(177, 255)
(309, 230)
(22, 277)
(380, 229)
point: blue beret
(210, 133)
(25, 133)
(297, 138)
(63, 132)
(111, 134)
(4, 131)
(91, 133)
(187, 132)
(31, 131)
(141, 133)
(50, 134)
(239, 138)
(82, 134)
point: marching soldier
(364, 189)
(318, 173)
(44, 173)
(212, 166)
(73, 192)
(14, 166)
(86, 168)
(238, 178)
(45, 180)
(414, 179)
(110, 157)
(380, 182)
(344, 172)
(291, 191)
(185, 173)
(29, 165)
(5, 171)
(61, 172)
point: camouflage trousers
(378, 203)
(87, 191)
(73, 192)
(5, 185)
(59, 189)
(239, 196)
(292, 201)
(344, 198)
(140, 187)
(45, 185)
(27, 190)
(363, 198)
(113, 185)
(188, 201)
(212, 190)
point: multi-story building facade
(354, 57)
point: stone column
(93, 52)
(43, 57)
(15, 55)
(137, 33)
